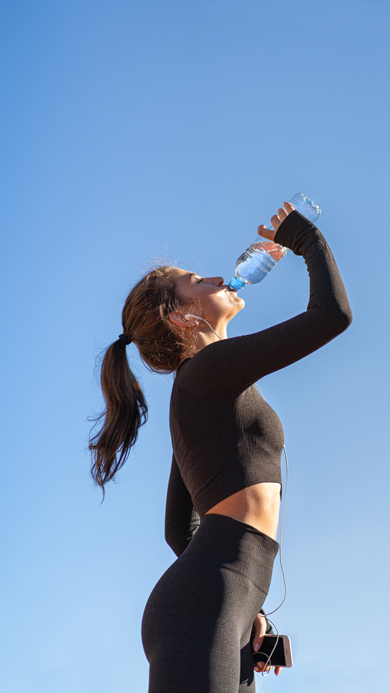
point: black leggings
(197, 623)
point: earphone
(190, 315)
(264, 672)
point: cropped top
(225, 437)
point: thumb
(260, 627)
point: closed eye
(199, 280)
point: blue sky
(140, 130)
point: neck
(205, 336)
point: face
(218, 302)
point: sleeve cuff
(297, 233)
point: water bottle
(306, 207)
(255, 263)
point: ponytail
(145, 320)
(126, 410)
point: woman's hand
(276, 220)
(259, 628)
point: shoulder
(211, 370)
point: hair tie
(124, 338)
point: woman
(225, 484)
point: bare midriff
(256, 505)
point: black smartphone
(281, 656)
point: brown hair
(145, 321)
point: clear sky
(135, 130)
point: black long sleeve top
(225, 437)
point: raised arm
(248, 358)
(181, 518)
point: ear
(179, 320)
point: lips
(227, 287)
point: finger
(266, 233)
(275, 221)
(278, 670)
(257, 642)
(260, 625)
(288, 207)
(259, 666)
(282, 214)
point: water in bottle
(306, 207)
(255, 263)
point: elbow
(335, 320)
(173, 542)
(342, 319)
(346, 317)
(169, 538)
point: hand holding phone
(282, 654)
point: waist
(257, 506)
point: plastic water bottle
(255, 263)
(306, 207)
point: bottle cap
(237, 283)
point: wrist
(297, 233)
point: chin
(239, 305)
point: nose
(217, 281)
